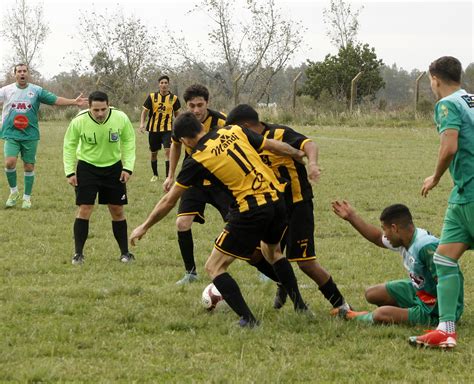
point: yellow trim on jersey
(303, 143)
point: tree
(24, 28)
(335, 73)
(342, 23)
(258, 48)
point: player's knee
(28, 167)
(154, 155)
(184, 223)
(10, 162)
(371, 295)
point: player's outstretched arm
(283, 149)
(311, 151)
(162, 208)
(447, 149)
(345, 211)
(79, 101)
(175, 154)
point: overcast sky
(408, 33)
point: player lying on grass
(228, 158)
(299, 238)
(412, 300)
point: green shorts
(27, 149)
(404, 294)
(458, 225)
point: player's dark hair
(196, 90)
(447, 68)
(163, 77)
(20, 65)
(242, 113)
(397, 214)
(186, 125)
(98, 96)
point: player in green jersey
(454, 117)
(21, 102)
(412, 300)
(102, 141)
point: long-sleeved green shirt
(99, 144)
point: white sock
(447, 326)
(14, 190)
(27, 197)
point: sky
(408, 33)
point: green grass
(108, 322)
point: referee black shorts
(244, 231)
(104, 181)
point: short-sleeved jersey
(418, 261)
(99, 144)
(213, 121)
(228, 157)
(20, 110)
(161, 111)
(456, 111)
(285, 167)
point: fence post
(354, 90)
(295, 80)
(417, 90)
(236, 90)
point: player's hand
(142, 129)
(314, 172)
(72, 180)
(137, 234)
(81, 101)
(343, 209)
(124, 177)
(168, 184)
(299, 156)
(429, 183)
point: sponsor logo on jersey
(469, 99)
(225, 141)
(30, 94)
(21, 106)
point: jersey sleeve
(71, 141)
(295, 139)
(47, 97)
(147, 104)
(426, 254)
(176, 105)
(191, 173)
(447, 116)
(254, 138)
(127, 140)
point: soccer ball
(212, 298)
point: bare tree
(25, 29)
(258, 46)
(342, 23)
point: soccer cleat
(280, 297)
(78, 259)
(127, 257)
(188, 279)
(248, 323)
(345, 312)
(12, 199)
(26, 204)
(434, 339)
(154, 178)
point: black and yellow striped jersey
(285, 167)
(214, 120)
(161, 111)
(228, 157)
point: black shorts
(299, 238)
(194, 200)
(158, 139)
(244, 231)
(102, 180)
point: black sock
(230, 291)
(288, 279)
(154, 167)
(81, 231)
(167, 167)
(186, 246)
(331, 293)
(120, 232)
(266, 268)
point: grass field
(108, 322)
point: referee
(102, 141)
